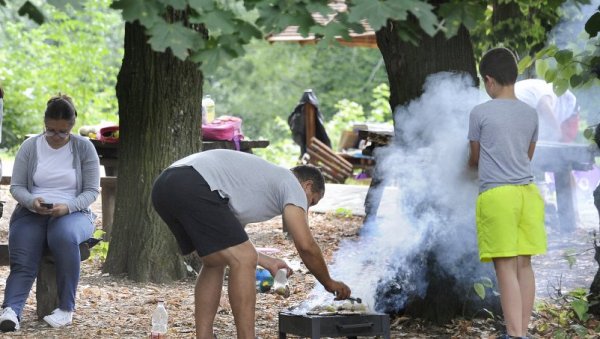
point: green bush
(76, 53)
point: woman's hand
(39, 209)
(57, 210)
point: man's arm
(297, 225)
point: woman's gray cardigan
(85, 163)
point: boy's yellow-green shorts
(510, 222)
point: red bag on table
(225, 127)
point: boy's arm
(474, 155)
(531, 150)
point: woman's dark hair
(501, 64)
(308, 172)
(1, 92)
(60, 107)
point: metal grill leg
(315, 328)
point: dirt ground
(114, 307)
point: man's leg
(510, 294)
(242, 260)
(527, 287)
(207, 296)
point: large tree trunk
(408, 67)
(159, 112)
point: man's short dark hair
(499, 63)
(308, 172)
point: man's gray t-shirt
(505, 129)
(257, 190)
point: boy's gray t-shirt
(257, 190)
(504, 129)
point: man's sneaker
(59, 318)
(8, 320)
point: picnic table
(109, 152)
(561, 159)
(109, 158)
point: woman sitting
(55, 179)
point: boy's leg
(510, 294)
(527, 286)
(242, 260)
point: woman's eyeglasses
(51, 133)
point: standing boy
(510, 209)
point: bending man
(207, 198)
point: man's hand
(273, 264)
(339, 289)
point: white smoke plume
(432, 191)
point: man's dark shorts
(199, 218)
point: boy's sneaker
(8, 320)
(59, 318)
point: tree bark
(408, 67)
(159, 118)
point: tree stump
(46, 292)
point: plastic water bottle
(280, 284)
(208, 104)
(160, 319)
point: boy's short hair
(501, 64)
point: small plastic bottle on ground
(160, 319)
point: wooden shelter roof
(291, 34)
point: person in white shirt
(55, 179)
(559, 115)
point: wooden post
(45, 287)
(310, 120)
(109, 194)
(46, 291)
